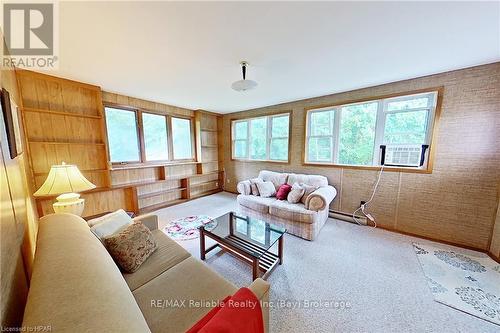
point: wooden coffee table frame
(265, 263)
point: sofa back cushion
(75, 285)
(276, 178)
(313, 180)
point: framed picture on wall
(10, 116)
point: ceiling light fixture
(244, 85)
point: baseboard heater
(346, 217)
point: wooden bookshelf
(63, 120)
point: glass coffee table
(248, 238)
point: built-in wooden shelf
(118, 167)
(151, 208)
(204, 183)
(157, 193)
(208, 130)
(67, 143)
(205, 193)
(62, 113)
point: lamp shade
(64, 178)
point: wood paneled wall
(17, 222)
(495, 237)
(455, 203)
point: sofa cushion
(283, 191)
(308, 190)
(294, 212)
(75, 285)
(276, 178)
(312, 180)
(167, 255)
(259, 204)
(188, 281)
(254, 189)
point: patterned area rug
(187, 227)
(467, 282)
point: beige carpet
(376, 272)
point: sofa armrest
(243, 187)
(321, 198)
(261, 289)
(150, 221)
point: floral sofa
(300, 219)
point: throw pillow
(308, 189)
(131, 247)
(266, 189)
(110, 224)
(296, 193)
(283, 192)
(253, 185)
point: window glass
(121, 126)
(408, 127)
(412, 103)
(240, 148)
(258, 137)
(264, 138)
(322, 122)
(181, 137)
(320, 149)
(280, 126)
(357, 134)
(155, 137)
(240, 130)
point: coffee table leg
(255, 268)
(280, 249)
(202, 243)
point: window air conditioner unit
(403, 155)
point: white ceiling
(188, 54)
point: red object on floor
(240, 313)
(283, 191)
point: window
(262, 138)
(155, 137)
(358, 133)
(136, 136)
(122, 135)
(181, 136)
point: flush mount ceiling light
(244, 85)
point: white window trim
(269, 138)
(379, 126)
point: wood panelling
(123, 100)
(456, 202)
(18, 219)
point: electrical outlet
(217, 184)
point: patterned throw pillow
(296, 193)
(308, 189)
(253, 185)
(266, 189)
(131, 246)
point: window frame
(431, 129)
(269, 137)
(140, 135)
(137, 130)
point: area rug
(187, 227)
(465, 280)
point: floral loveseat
(301, 219)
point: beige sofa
(303, 220)
(77, 287)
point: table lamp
(64, 180)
